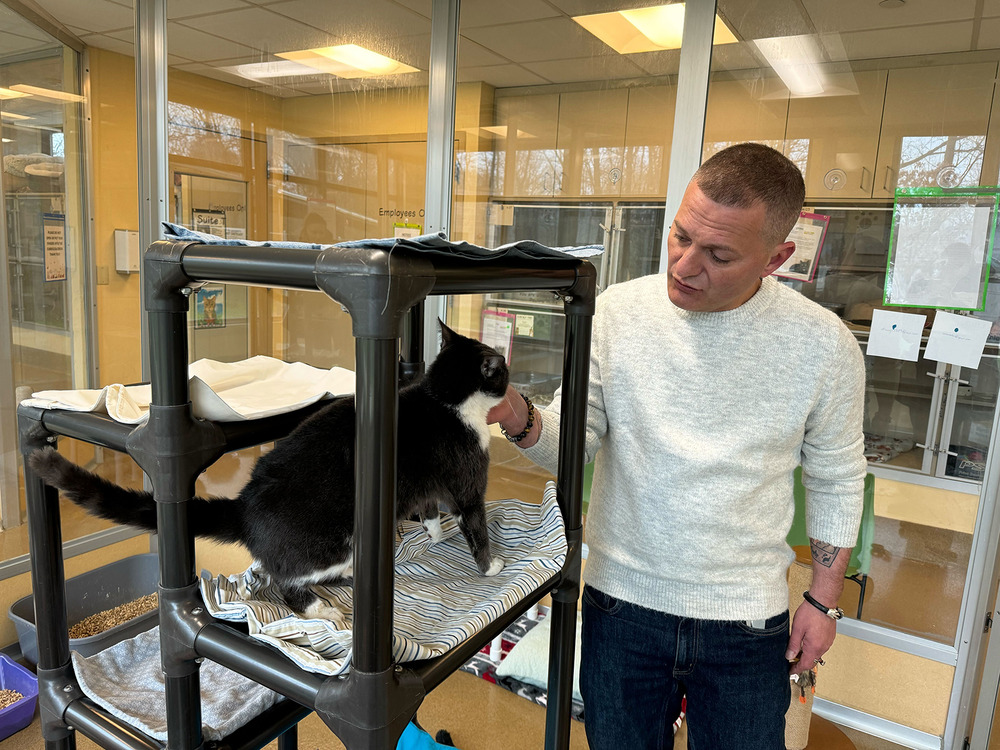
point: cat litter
(111, 618)
(440, 598)
(18, 697)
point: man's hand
(512, 415)
(811, 637)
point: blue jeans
(637, 664)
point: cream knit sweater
(697, 421)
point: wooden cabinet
(934, 126)
(591, 140)
(530, 164)
(747, 109)
(838, 135)
(649, 132)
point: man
(708, 386)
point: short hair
(746, 174)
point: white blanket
(440, 598)
(224, 392)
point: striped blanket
(440, 598)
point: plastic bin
(87, 594)
(18, 715)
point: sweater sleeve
(833, 462)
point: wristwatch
(834, 613)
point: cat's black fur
(296, 514)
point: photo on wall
(210, 306)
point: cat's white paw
(433, 528)
(496, 565)
(320, 610)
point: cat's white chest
(473, 412)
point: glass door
(44, 283)
(536, 318)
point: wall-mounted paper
(957, 339)
(895, 335)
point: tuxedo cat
(296, 514)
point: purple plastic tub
(16, 717)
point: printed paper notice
(895, 335)
(54, 226)
(498, 331)
(957, 339)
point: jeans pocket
(770, 626)
(604, 602)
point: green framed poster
(941, 247)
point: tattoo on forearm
(824, 554)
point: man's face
(716, 255)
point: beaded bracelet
(531, 421)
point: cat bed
(221, 391)
(441, 599)
(437, 243)
(879, 449)
(523, 667)
(127, 681)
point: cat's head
(465, 367)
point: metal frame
(690, 107)
(369, 707)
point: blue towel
(415, 738)
(428, 243)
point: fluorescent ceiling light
(796, 60)
(646, 29)
(263, 71)
(348, 61)
(13, 116)
(498, 131)
(10, 94)
(6, 140)
(61, 96)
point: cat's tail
(219, 519)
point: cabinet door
(839, 134)
(649, 133)
(751, 109)
(532, 163)
(591, 137)
(934, 127)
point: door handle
(885, 182)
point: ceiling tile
(606, 67)
(13, 44)
(532, 41)
(178, 9)
(356, 22)
(920, 40)
(991, 8)
(471, 54)
(475, 13)
(763, 19)
(92, 15)
(500, 76)
(259, 28)
(861, 15)
(197, 45)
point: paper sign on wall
(895, 335)
(957, 339)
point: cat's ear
(447, 335)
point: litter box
(87, 594)
(17, 716)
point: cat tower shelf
(382, 287)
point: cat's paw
(320, 610)
(496, 565)
(433, 528)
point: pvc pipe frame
(370, 706)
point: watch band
(834, 613)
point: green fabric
(861, 555)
